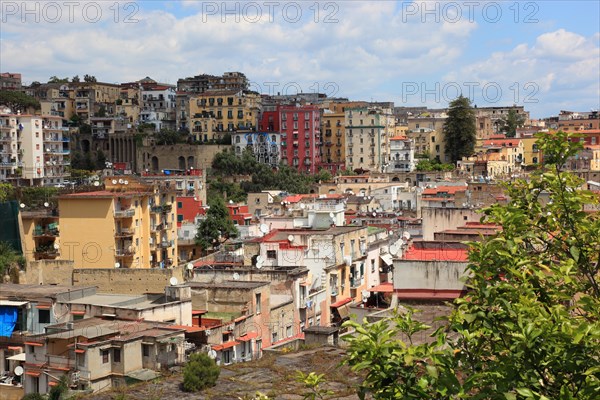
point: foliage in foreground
(216, 227)
(200, 372)
(530, 326)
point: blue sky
(544, 55)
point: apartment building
(368, 133)
(333, 151)
(491, 117)
(10, 81)
(56, 150)
(56, 99)
(94, 99)
(205, 82)
(263, 145)
(402, 155)
(427, 132)
(133, 226)
(301, 137)
(128, 104)
(215, 112)
(158, 106)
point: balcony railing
(129, 213)
(129, 252)
(124, 233)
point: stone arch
(181, 161)
(154, 163)
(190, 162)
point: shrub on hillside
(200, 372)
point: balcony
(124, 233)
(125, 253)
(49, 231)
(166, 243)
(128, 213)
(46, 252)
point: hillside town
(150, 221)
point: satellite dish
(393, 250)
(18, 370)
(211, 353)
(374, 214)
(365, 294)
(406, 235)
(259, 260)
(302, 206)
(236, 276)
(114, 181)
(121, 181)
(56, 246)
(190, 266)
(230, 201)
(125, 182)
(22, 205)
(259, 265)
(331, 215)
(117, 265)
(96, 183)
(173, 281)
(46, 204)
(264, 228)
(290, 238)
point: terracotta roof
(445, 189)
(341, 302)
(514, 142)
(438, 254)
(399, 138)
(386, 287)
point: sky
(544, 55)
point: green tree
(6, 192)
(100, 162)
(57, 392)
(217, 226)
(89, 78)
(56, 79)
(323, 176)
(18, 101)
(530, 326)
(511, 122)
(9, 258)
(166, 137)
(76, 79)
(101, 111)
(199, 373)
(460, 129)
(313, 383)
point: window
(288, 331)
(179, 218)
(117, 355)
(179, 204)
(258, 299)
(146, 350)
(104, 354)
(272, 254)
(44, 316)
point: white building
(402, 155)
(264, 146)
(158, 107)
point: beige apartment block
(128, 225)
(368, 131)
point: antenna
(173, 281)
(236, 276)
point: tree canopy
(217, 226)
(18, 101)
(511, 122)
(529, 327)
(460, 129)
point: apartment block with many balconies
(368, 132)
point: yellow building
(368, 131)
(532, 156)
(40, 235)
(58, 101)
(428, 136)
(595, 159)
(128, 105)
(334, 139)
(213, 113)
(128, 225)
(91, 97)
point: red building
(188, 208)
(239, 214)
(301, 137)
(270, 121)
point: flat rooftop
(228, 285)
(36, 292)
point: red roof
(226, 345)
(248, 336)
(430, 294)
(445, 189)
(502, 142)
(386, 287)
(341, 302)
(436, 254)
(399, 138)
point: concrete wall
(48, 272)
(127, 281)
(168, 156)
(441, 219)
(438, 275)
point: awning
(43, 306)
(77, 312)
(341, 302)
(12, 303)
(33, 373)
(387, 259)
(8, 320)
(34, 343)
(79, 351)
(224, 346)
(386, 287)
(248, 336)
(15, 348)
(17, 357)
(52, 383)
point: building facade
(368, 132)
